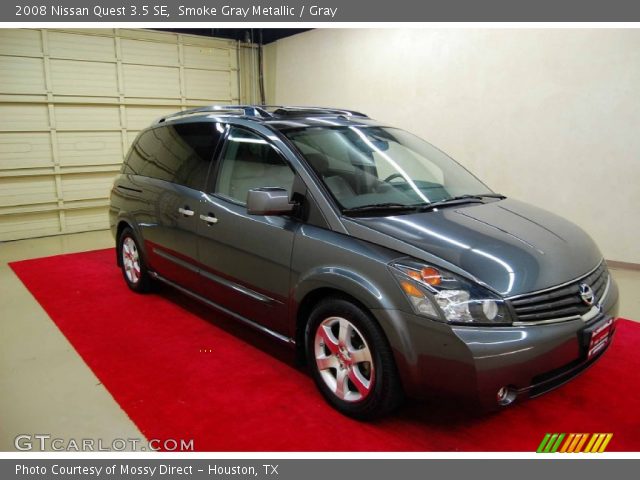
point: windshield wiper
(421, 207)
(380, 207)
(487, 195)
(460, 199)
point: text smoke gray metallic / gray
(379, 258)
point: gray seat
(336, 183)
(244, 177)
(339, 187)
(254, 168)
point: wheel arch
(120, 226)
(332, 282)
(307, 305)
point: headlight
(447, 297)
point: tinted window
(135, 159)
(175, 153)
(249, 161)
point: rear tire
(351, 361)
(132, 264)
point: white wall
(551, 117)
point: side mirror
(268, 201)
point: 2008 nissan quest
(390, 267)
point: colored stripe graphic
(550, 443)
(590, 444)
(581, 442)
(574, 443)
(608, 438)
(567, 442)
(543, 443)
(557, 444)
(596, 445)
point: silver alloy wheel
(131, 260)
(344, 360)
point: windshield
(364, 166)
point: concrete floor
(45, 386)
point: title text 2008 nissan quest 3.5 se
(388, 266)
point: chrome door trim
(215, 278)
(176, 260)
(220, 308)
(237, 287)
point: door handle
(210, 219)
(186, 212)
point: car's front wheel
(132, 264)
(351, 361)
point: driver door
(245, 259)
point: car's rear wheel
(351, 361)
(134, 270)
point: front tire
(351, 361)
(134, 270)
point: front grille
(560, 302)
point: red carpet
(247, 395)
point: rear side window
(179, 153)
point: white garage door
(71, 101)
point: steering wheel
(393, 176)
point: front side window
(364, 166)
(249, 161)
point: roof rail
(244, 110)
(261, 111)
(293, 110)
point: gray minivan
(389, 267)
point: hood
(510, 246)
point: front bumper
(473, 363)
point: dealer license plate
(600, 337)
